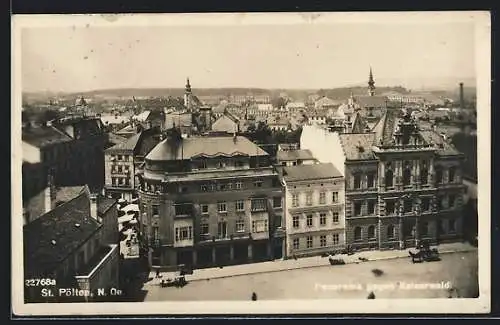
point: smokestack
(50, 193)
(462, 104)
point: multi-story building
(74, 244)
(123, 161)
(314, 209)
(209, 201)
(403, 184)
(295, 157)
(71, 149)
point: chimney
(93, 206)
(462, 104)
(50, 193)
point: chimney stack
(462, 103)
(50, 193)
(93, 206)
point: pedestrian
(371, 295)
(254, 296)
(157, 273)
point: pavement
(300, 263)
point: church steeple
(371, 84)
(188, 86)
(187, 95)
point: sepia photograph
(251, 163)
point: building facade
(402, 185)
(210, 201)
(314, 209)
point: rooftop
(127, 145)
(310, 172)
(290, 155)
(44, 136)
(357, 146)
(51, 238)
(189, 148)
(105, 204)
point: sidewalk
(306, 262)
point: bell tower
(187, 95)
(371, 84)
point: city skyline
(87, 57)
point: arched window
(357, 233)
(407, 174)
(391, 232)
(371, 232)
(389, 178)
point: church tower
(371, 84)
(187, 95)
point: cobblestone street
(342, 281)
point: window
(183, 209)
(258, 205)
(295, 222)
(240, 225)
(451, 174)
(452, 199)
(371, 232)
(439, 175)
(370, 180)
(156, 209)
(221, 207)
(371, 207)
(240, 205)
(259, 226)
(441, 227)
(204, 228)
(357, 181)
(322, 198)
(389, 178)
(183, 233)
(119, 157)
(389, 207)
(357, 208)
(309, 198)
(451, 225)
(238, 185)
(357, 233)
(277, 221)
(295, 200)
(309, 241)
(335, 216)
(309, 220)
(335, 239)
(204, 188)
(424, 229)
(222, 229)
(277, 202)
(257, 184)
(322, 241)
(204, 208)
(322, 219)
(424, 173)
(407, 205)
(335, 197)
(425, 204)
(391, 232)
(407, 174)
(296, 243)
(443, 203)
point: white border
(406, 306)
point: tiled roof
(359, 124)
(310, 172)
(371, 101)
(116, 139)
(444, 148)
(384, 129)
(149, 139)
(357, 146)
(43, 136)
(105, 204)
(36, 204)
(204, 146)
(128, 145)
(289, 155)
(51, 238)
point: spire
(188, 86)
(371, 84)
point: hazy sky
(287, 56)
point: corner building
(210, 201)
(402, 184)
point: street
(455, 275)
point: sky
(311, 56)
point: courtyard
(454, 276)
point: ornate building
(403, 184)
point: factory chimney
(462, 103)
